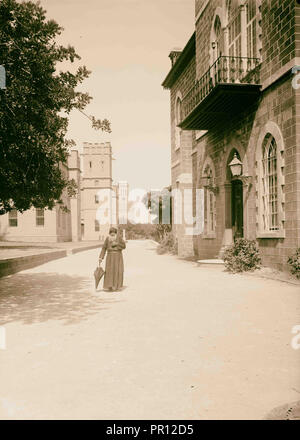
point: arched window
(270, 185)
(252, 29)
(219, 42)
(234, 29)
(178, 110)
(270, 182)
(177, 121)
(209, 198)
(210, 206)
(244, 31)
(217, 39)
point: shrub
(161, 230)
(139, 231)
(168, 244)
(294, 262)
(242, 256)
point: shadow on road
(38, 297)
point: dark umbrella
(98, 274)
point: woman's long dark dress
(114, 266)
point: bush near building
(168, 244)
(294, 262)
(242, 256)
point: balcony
(228, 87)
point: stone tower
(123, 202)
(75, 201)
(96, 190)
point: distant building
(90, 213)
(123, 190)
(75, 202)
(43, 225)
(115, 205)
(96, 190)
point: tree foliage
(35, 106)
(294, 262)
(159, 204)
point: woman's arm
(103, 251)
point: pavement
(178, 342)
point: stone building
(90, 212)
(115, 205)
(96, 190)
(123, 194)
(43, 225)
(235, 127)
(75, 201)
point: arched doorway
(237, 218)
(235, 202)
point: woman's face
(113, 235)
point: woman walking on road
(114, 266)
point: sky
(126, 43)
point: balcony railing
(225, 70)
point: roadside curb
(9, 266)
(82, 249)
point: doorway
(237, 209)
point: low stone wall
(12, 265)
(9, 266)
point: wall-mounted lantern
(236, 168)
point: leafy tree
(34, 107)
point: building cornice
(97, 178)
(186, 55)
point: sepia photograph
(150, 213)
